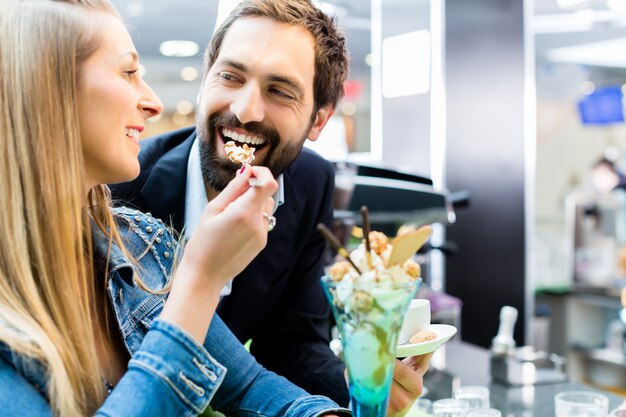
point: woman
(74, 302)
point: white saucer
(443, 331)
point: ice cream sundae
(369, 294)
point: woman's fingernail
(243, 169)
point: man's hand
(408, 378)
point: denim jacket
(170, 374)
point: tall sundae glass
(369, 294)
(369, 316)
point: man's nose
(248, 105)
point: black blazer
(277, 301)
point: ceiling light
(184, 107)
(587, 88)
(179, 119)
(608, 53)
(189, 73)
(348, 108)
(178, 48)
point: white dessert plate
(443, 331)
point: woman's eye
(130, 73)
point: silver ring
(271, 221)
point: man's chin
(218, 173)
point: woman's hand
(232, 230)
(230, 234)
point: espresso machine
(596, 224)
(394, 198)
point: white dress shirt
(196, 198)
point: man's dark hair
(331, 55)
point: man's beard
(218, 171)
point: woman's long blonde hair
(46, 272)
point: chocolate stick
(366, 233)
(332, 240)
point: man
(274, 72)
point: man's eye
(281, 93)
(227, 76)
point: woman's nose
(150, 103)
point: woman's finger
(269, 206)
(262, 185)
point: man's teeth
(132, 133)
(252, 140)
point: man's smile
(242, 138)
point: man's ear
(321, 118)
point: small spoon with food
(239, 154)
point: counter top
(467, 364)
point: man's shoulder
(152, 149)
(310, 164)
(309, 178)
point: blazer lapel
(164, 189)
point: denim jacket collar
(117, 261)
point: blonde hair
(46, 273)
